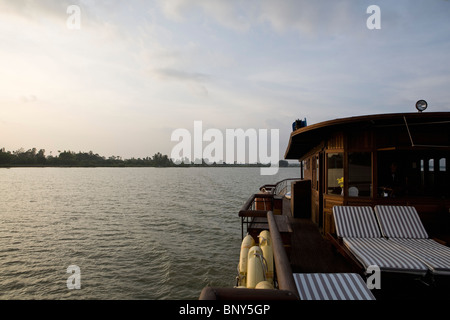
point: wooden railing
(249, 209)
(214, 293)
(283, 269)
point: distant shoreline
(145, 166)
(34, 158)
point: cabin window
(419, 173)
(431, 165)
(442, 165)
(360, 174)
(335, 173)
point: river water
(134, 233)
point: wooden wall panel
(336, 141)
(328, 203)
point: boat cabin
(398, 158)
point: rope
(263, 264)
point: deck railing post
(282, 264)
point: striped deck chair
(359, 231)
(402, 225)
(332, 286)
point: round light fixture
(421, 105)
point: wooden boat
(398, 160)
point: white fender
(255, 267)
(264, 285)
(247, 243)
(265, 242)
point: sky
(118, 77)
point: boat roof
(304, 139)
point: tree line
(36, 158)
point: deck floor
(311, 253)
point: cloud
(28, 98)
(37, 10)
(309, 17)
(194, 80)
(232, 14)
(172, 74)
(102, 17)
(304, 16)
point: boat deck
(310, 252)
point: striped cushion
(332, 286)
(400, 222)
(385, 254)
(355, 222)
(433, 254)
